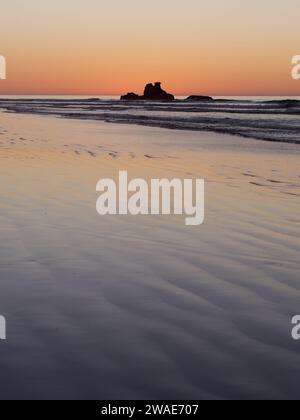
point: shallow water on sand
(145, 307)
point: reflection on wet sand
(145, 307)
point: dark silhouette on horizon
(152, 92)
(199, 98)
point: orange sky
(93, 47)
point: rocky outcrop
(152, 92)
(131, 97)
(198, 98)
(156, 93)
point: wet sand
(146, 307)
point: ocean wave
(272, 120)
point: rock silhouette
(152, 92)
(155, 92)
(199, 98)
(131, 97)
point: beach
(144, 307)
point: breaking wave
(272, 120)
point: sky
(97, 47)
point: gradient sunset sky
(93, 47)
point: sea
(263, 118)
